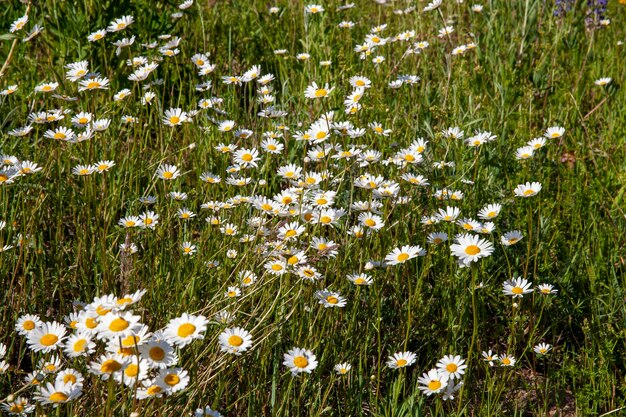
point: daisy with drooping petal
(517, 287)
(490, 211)
(401, 360)
(47, 337)
(470, 248)
(299, 360)
(235, 340)
(432, 382)
(185, 329)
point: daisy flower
(330, 299)
(432, 382)
(517, 287)
(542, 348)
(404, 254)
(401, 360)
(183, 330)
(235, 340)
(527, 190)
(452, 367)
(314, 91)
(470, 248)
(47, 337)
(57, 393)
(299, 360)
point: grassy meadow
(256, 208)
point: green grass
(529, 71)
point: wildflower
(46, 337)
(542, 348)
(183, 330)
(451, 367)
(470, 248)
(330, 299)
(547, 289)
(490, 357)
(401, 360)
(299, 360)
(432, 382)
(528, 189)
(235, 340)
(516, 287)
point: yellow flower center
(277, 267)
(370, 222)
(331, 299)
(46, 88)
(506, 361)
(28, 325)
(403, 257)
(93, 84)
(174, 120)
(320, 135)
(69, 378)
(156, 353)
(171, 379)
(451, 367)
(109, 366)
(91, 323)
(235, 340)
(186, 330)
(401, 362)
(529, 192)
(16, 408)
(321, 92)
(472, 250)
(59, 135)
(118, 325)
(131, 370)
(168, 175)
(517, 290)
(434, 385)
(360, 83)
(154, 390)
(58, 397)
(291, 233)
(247, 157)
(300, 362)
(80, 345)
(49, 339)
(326, 219)
(130, 341)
